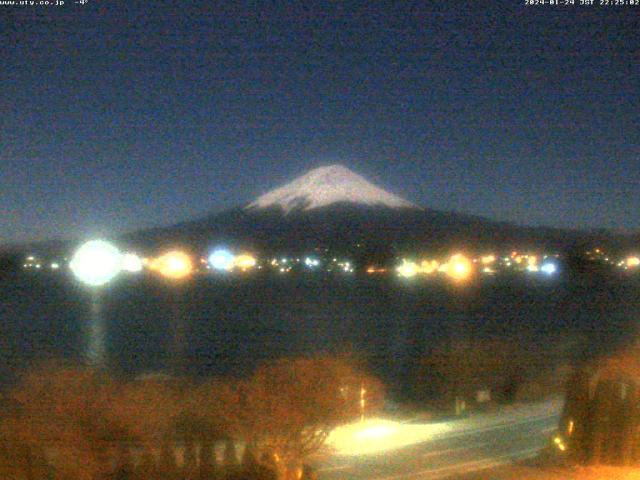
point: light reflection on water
(96, 333)
(230, 325)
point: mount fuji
(326, 186)
(333, 208)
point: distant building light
(428, 267)
(408, 269)
(487, 259)
(174, 265)
(245, 262)
(459, 267)
(311, 262)
(96, 263)
(632, 262)
(131, 263)
(221, 259)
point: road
(383, 450)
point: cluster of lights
(311, 262)
(223, 260)
(97, 262)
(33, 263)
(545, 264)
(629, 262)
(345, 266)
(286, 265)
(458, 267)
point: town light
(459, 267)
(633, 262)
(429, 267)
(488, 259)
(311, 262)
(221, 259)
(408, 269)
(244, 262)
(174, 265)
(131, 263)
(548, 268)
(96, 263)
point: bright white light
(378, 435)
(311, 262)
(55, 266)
(548, 268)
(408, 269)
(131, 263)
(221, 259)
(96, 262)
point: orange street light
(174, 265)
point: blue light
(549, 268)
(221, 259)
(311, 262)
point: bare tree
(289, 407)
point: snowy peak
(325, 186)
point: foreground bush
(75, 423)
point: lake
(229, 325)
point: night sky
(118, 115)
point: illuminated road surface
(388, 451)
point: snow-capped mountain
(326, 186)
(335, 208)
